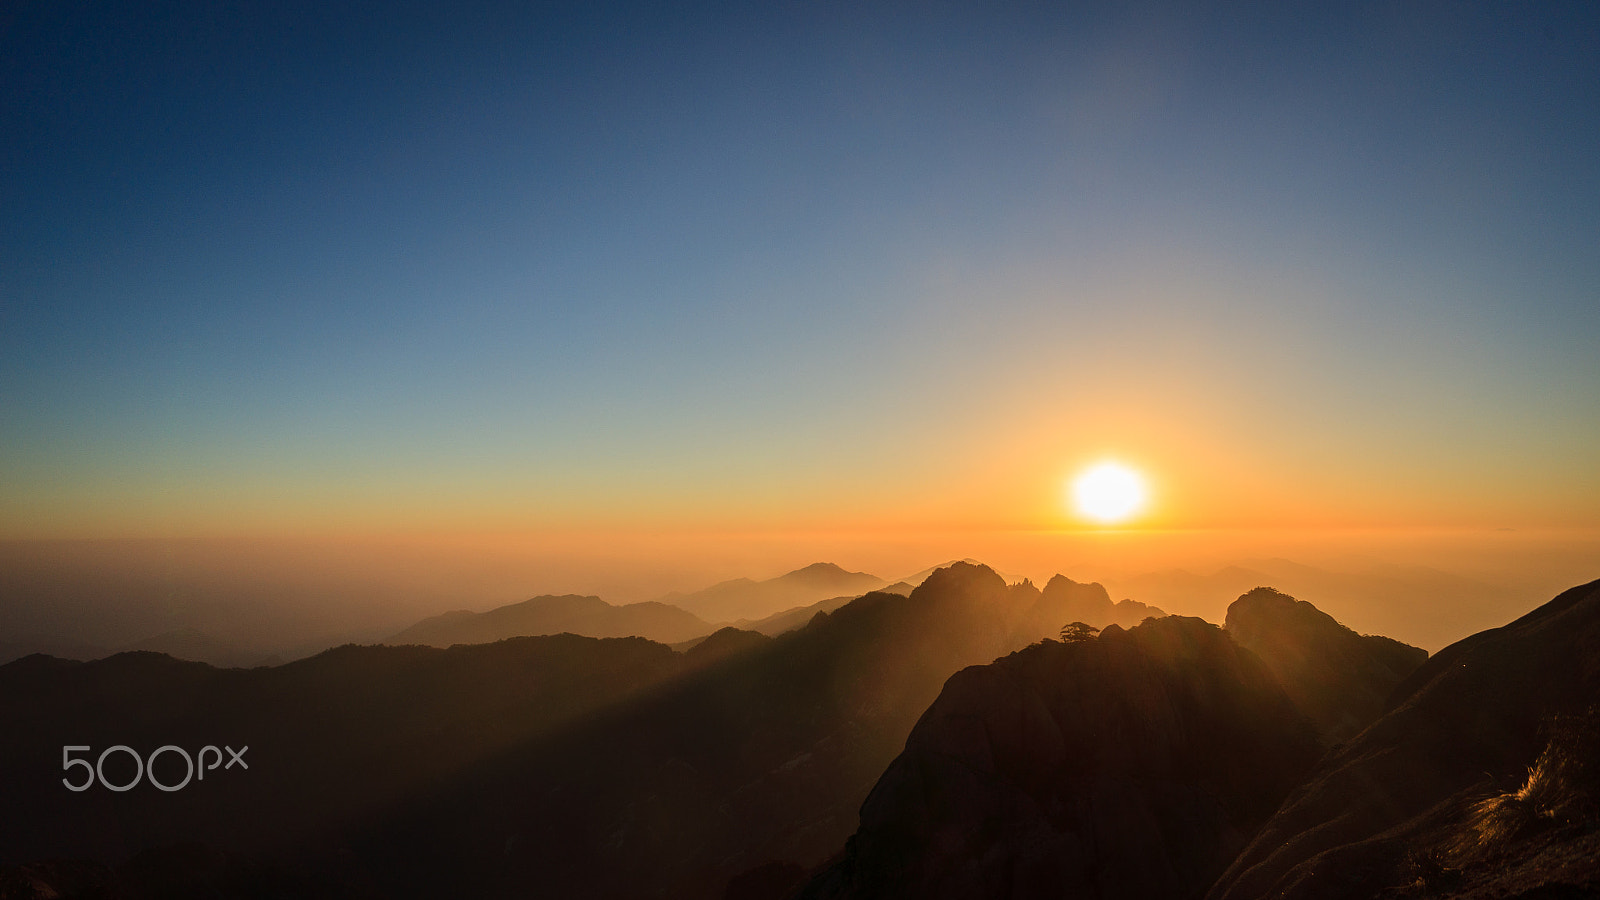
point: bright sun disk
(1108, 492)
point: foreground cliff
(1479, 781)
(1152, 763)
(1136, 765)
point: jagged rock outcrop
(1338, 678)
(1135, 765)
(1063, 601)
(1404, 806)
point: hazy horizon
(1426, 588)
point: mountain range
(57, 613)
(656, 620)
(941, 744)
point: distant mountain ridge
(50, 645)
(192, 644)
(742, 598)
(551, 614)
(656, 620)
(672, 621)
(196, 645)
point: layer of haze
(286, 597)
(657, 295)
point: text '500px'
(194, 768)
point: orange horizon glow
(1207, 466)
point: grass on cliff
(1562, 788)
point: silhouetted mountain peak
(961, 578)
(1062, 585)
(1024, 593)
(922, 576)
(38, 663)
(824, 572)
(1041, 614)
(1264, 595)
(1338, 678)
(559, 601)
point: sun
(1108, 493)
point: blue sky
(285, 267)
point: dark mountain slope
(1135, 765)
(1338, 678)
(569, 613)
(1411, 803)
(332, 739)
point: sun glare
(1108, 493)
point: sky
(290, 271)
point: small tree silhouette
(1074, 632)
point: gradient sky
(279, 268)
